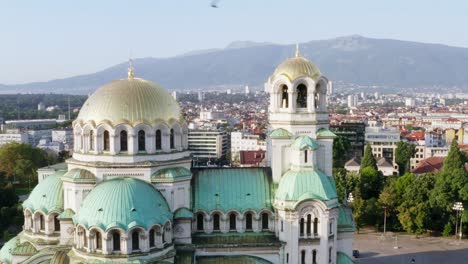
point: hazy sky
(47, 39)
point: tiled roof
(429, 165)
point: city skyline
(55, 39)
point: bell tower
(298, 107)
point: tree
(345, 181)
(415, 213)
(21, 160)
(370, 183)
(341, 146)
(368, 159)
(403, 153)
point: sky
(50, 39)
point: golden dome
(296, 67)
(130, 101)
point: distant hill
(352, 59)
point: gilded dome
(296, 67)
(123, 203)
(131, 101)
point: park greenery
(413, 203)
(18, 167)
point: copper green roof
(303, 142)
(183, 213)
(79, 175)
(47, 196)
(7, 249)
(280, 133)
(324, 132)
(130, 101)
(299, 185)
(231, 260)
(67, 214)
(345, 219)
(123, 203)
(171, 174)
(24, 249)
(232, 189)
(342, 258)
(60, 257)
(296, 67)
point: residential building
(208, 144)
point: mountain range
(351, 59)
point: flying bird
(214, 3)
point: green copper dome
(171, 174)
(7, 249)
(47, 196)
(300, 185)
(123, 203)
(303, 142)
(342, 258)
(280, 133)
(130, 101)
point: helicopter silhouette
(214, 4)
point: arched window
(330, 255)
(163, 235)
(106, 142)
(305, 156)
(216, 222)
(309, 225)
(265, 221)
(301, 227)
(41, 222)
(91, 140)
(141, 140)
(232, 222)
(315, 226)
(136, 240)
(331, 227)
(200, 222)
(171, 139)
(284, 97)
(301, 96)
(56, 224)
(317, 96)
(116, 241)
(158, 140)
(151, 238)
(85, 239)
(303, 257)
(314, 256)
(248, 222)
(98, 240)
(123, 141)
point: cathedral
(130, 195)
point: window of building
(158, 140)
(265, 221)
(314, 256)
(56, 224)
(106, 143)
(287, 257)
(216, 222)
(116, 241)
(315, 226)
(123, 141)
(151, 238)
(301, 96)
(200, 222)
(330, 255)
(91, 140)
(232, 222)
(331, 227)
(305, 156)
(171, 139)
(301, 227)
(136, 240)
(248, 222)
(303, 256)
(141, 140)
(98, 240)
(284, 97)
(309, 224)
(85, 239)
(41, 222)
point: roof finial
(131, 72)
(297, 51)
